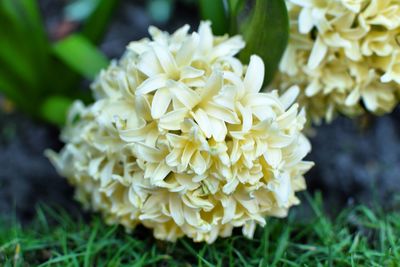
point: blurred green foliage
(215, 11)
(264, 25)
(42, 77)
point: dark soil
(357, 164)
(26, 176)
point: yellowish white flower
(181, 140)
(344, 55)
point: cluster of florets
(344, 55)
(181, 140)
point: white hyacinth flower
(181, 140)
(344, 55)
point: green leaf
(40, 45)
(25, 20)
(77, 52)
(234, 7)
(214, 11)
(16, 53)
(54, 109)
(267, 35)
(15, 62)
(96, 24)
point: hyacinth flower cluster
(344, 55)
(181, 140)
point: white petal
(148, 64)
(222, 113)
(229, 205)
(247, 118)
(138, 47)
(235, 64)
(185, 54)
(175, 207)
(147, 153)
(173, 158)
(135, 134)
(248, 229)
(246, 201)
(288, 62)
(289, 97)
(283, 190)
(305, 21)
(191, 216)
(236, 81)
(213, 87)
(273, 156)
(160, 172)
(219, 129)
(160, 103)
(255, 75)
(151, 84)
(286, 119)
(181, 33)
(94, 166)
(185, 95)
(228, 48)
(172, 120)
(189, 72)
(313, 88)
(206, 37)
(198, 163)
(166, 59)
(158, 35)
(230, 186)
(187, 155)
(353, 97)
(317, 54)
(202, 120)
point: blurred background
(50, 50)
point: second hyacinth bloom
(344, 55)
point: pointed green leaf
(15, 51)
(16, 63)
(234, 8)
(78, 53)
(214, 10)
(25, 19)
(267, 34)
(37, 35)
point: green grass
(358, 236)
